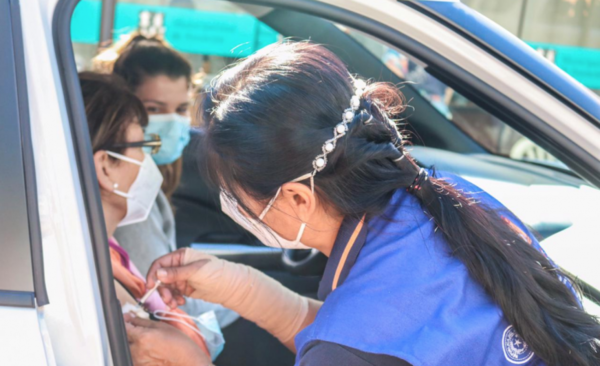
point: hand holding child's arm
(241, 288)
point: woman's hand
(158, 344)
(175, 273)
(251, 293)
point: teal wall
(238, 35)
(581, 63)
(189, 31)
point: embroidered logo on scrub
(515, 349)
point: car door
(23, 297)
(466, 66)
(83, 317)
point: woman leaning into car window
(423, 268)
(129, 181)
(162, 79)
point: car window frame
(465, 83)
(114, 322)
(20, 229)
(461, 80)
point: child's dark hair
(267, 118)
(110, 108)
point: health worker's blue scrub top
(391, 287)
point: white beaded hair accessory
(340, 130)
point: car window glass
(490, 132)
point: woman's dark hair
(266, 119)
(110, 108)
(143, 57)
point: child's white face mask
(208, 328)
(143, 191)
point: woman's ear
(300, 198)
(103, 167)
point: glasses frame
(155, 143)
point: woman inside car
(129, 181)
(162, 79)
(423, 268)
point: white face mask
(143, 191)
(208, 328)
(261, 231)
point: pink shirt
(154, 302)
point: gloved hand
(241, 288)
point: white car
(57, 300)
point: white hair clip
(340, 130)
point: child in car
(161, 78)
(129, 181)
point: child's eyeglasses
(154, 144)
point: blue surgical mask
(174, 132)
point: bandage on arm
(252, 294)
